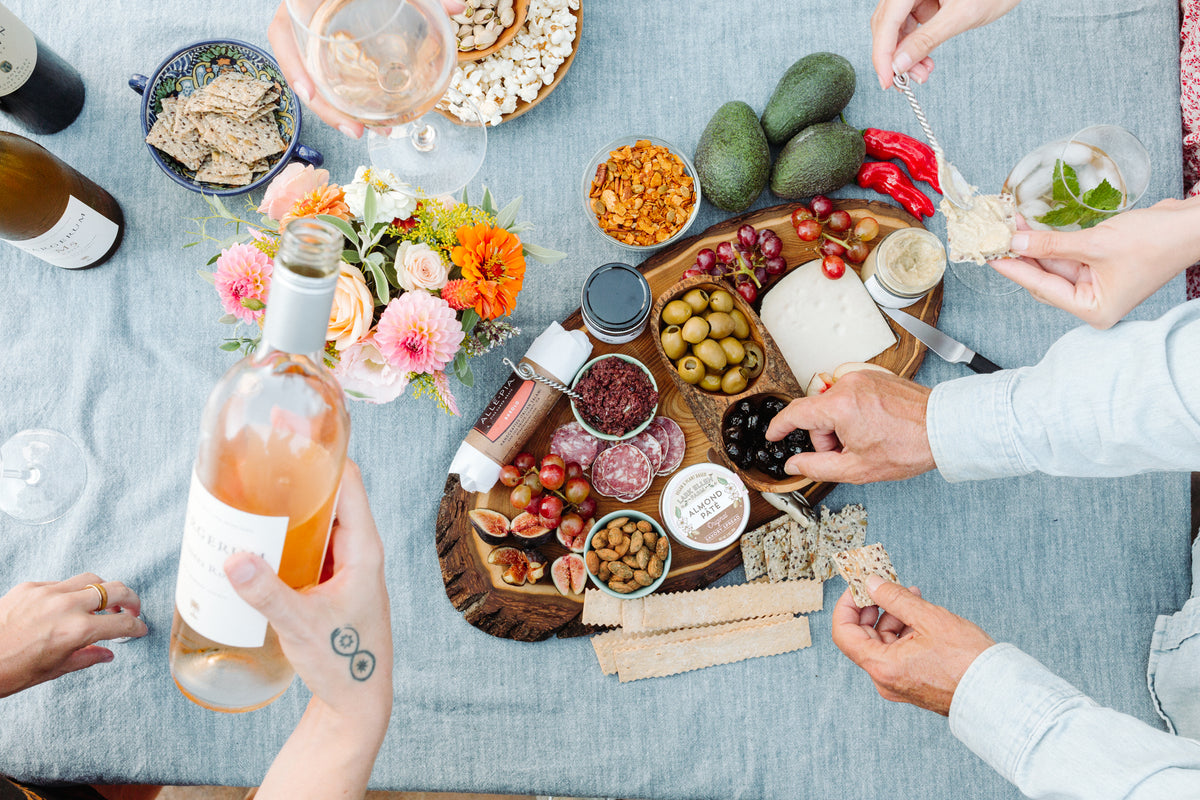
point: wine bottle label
(77, 240)
(18, 52)
(204, 597)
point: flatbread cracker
(216, 169)
(752, 556)
(856, 565)
(668, 655)
(601, 609)
(803, 550)
(660, 612)
(608, 643)
(245, 141)
(777, 545)
(632, 615)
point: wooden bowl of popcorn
(485, 26)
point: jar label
(18, 52)
(80, 237)
(204, 597)
(708, 508)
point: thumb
(1046, 244)
(830, 465)
(900, 602)
(925, 39)
(257, 584)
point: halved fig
(569, 574)
(492, 526)
(529, 531)
(574, 543)
(516, 561)
(537, 565)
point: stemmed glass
(43, 474)
(387, 63)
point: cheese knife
(949, 349)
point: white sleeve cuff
(972, 428)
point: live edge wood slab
(537, 611)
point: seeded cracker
(777, 544)
(804, 539)
(752, 556)
(856, 565)
(844, 530)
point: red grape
(840, 221)
(705, 259)
(776, 265)
(808, 230)
(771, 246)
(577, 490)
(800, 215)
(587, 509)
(573, 469)
(747, 236)
(760, 274)
(821, 206)
(555, 459)
(857, 253)
(550, 510)
(533, 482)
(691, 273)
(571, 525)
(524, 462)
(520, 496)
(833, 267)
(552, 476)
(832, 248)
(867, 229)
(534, 506)
(510, 476)
(748, 291)
(725, 252)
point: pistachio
(484, 15)
(485, 39)
(507, 16)
(466, 43)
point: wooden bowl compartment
(520, 11)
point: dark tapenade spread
(615, 396)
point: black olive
(732, 433)
(744, 407)
(798, 441)
(752, 421)
(779, 451)
(733, 449)
(772, 406)
(762, 459)
(736, 419)
(778, 472)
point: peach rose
(295, 181)
(420, 267)
(353, 308)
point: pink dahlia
(242, 279)
(418, 332)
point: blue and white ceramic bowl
(194, 67)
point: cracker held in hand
(856, 565)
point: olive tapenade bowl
(744, 426)
(629, 434)
(709, 408)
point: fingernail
(350, 130)
(242, 570)
(902, 63)
(106, 657)
(304, 91)
(874, 582)
(1019, 243)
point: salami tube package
(518, 408)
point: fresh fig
(537, 565)
(492, 526)
(569, 574)
(529, 531)
(574, 543)
(515, 561)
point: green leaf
(212, 260)
(354, 394)
(389, 271)
(231, 345)
(464, 197)
(343, 226)
(208, 276)
(350, 256)
(228, 319)
(470, 319)
(462, 370)
(543, 254)
(1066, 183)
(1091, 219)
(215, 202)
(381, 283)
(253, 303)
(369, 208)
(1060, 217)
(508, 214)
(1104, 197)
(487, 205)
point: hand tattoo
(344, 641)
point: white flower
(366, 375)
(420, 267)
(394, 199)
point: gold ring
(100, 590)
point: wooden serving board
(536, 611)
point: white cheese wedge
(820, 323)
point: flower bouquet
(423, 284)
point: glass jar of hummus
(908, 262)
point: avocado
(814, 89)
(733, 158)
(818, 159)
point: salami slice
(659, 432)
(624, 469)
(676, 448)
(574, 443)
(648, 444)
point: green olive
(676, 312)
(754, 360)
(697, 299)
(695, 330)
(734, 350)
(691, 370)
(741, 327)
(711, 353)
(734, 380)
(711, 382)
(672, 342)
(720, 324)
(720, 300)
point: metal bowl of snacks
(619, 397)
(641, 193)
(627, 533)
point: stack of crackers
(786, 550)
(665, 634)
(225, 132)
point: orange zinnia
(329, 200)
(492, 262)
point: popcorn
(519, 70)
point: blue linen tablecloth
(122, 358)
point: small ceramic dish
(634, 516)
(603, 156)
(194, 67)
(520, 10)
(608, 437)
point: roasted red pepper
(889, 179)
(916, 155)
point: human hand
(338, 634)
(914, 652)
(905, 32)
(1102, 273)
(287, 52)
(869, 427)
(50, 628)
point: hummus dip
(982, 233)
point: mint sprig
(1098, 204)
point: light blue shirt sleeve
(1052, 741)
(1099, 404)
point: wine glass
(387, 63)
(44, 473)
